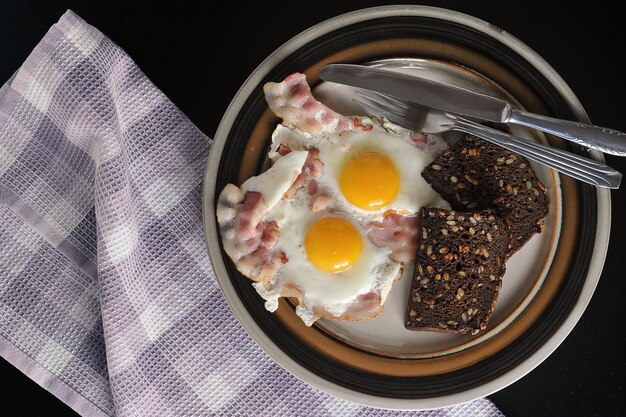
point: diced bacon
(321, 202)
(247, 239)
(313, 167)
(246, 266)
(297, 184)
(313, 163)
(392, 219)
(253, 210)
(358, 124)
(270, 234)
(292, 101)
(283, 150)
(258, 258)
(252, 200)
(397, 232)
(419, 138)
(279, 258)
(249, 246)
(266, 272)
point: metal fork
(428, 120)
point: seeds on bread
(458, 271)
(476, 174)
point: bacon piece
(313, 187)
(250, 215)
(292, 101)
(312, 167)
(358, 124)
(266, 272)
(252, 264)
(297, 184)
(397, 232)
(419, 138)
(270, 234)
(313, 163)
(321, 202)
(283, 150)
(279, 258)
(247, 239)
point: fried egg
(330, 262)
(325, 259)
(369, 171)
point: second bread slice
(458, 270)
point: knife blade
(454, 99)
(419, 90)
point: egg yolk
(369, 181)
(333, 244)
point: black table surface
(200, 53)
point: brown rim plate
(549, 282)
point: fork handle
(595, 137)
(583, 169)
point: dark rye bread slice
(458, 271)
(476, 174)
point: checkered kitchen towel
(107, 297)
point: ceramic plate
(547, 284)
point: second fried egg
(330, 262)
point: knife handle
(595, 137)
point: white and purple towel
(107, 296)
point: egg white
(335, 292)
(337, 148)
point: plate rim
(596, 262)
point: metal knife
(454, 99)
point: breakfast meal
(333, 221)
(348, 203)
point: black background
(199, 54)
